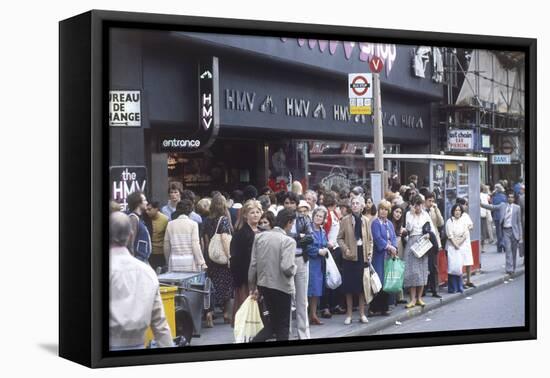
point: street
(501, 306)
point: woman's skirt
(316, 280)
(416, 269)
(352, 274)
(222, 281)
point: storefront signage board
(360, 93)
(501, 159)
(125, 108)
(460, 140)
(125, 180)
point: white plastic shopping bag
(247, 321)
(333, 278)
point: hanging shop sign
(460, 140)
(360, 93)
(125, 180)
(209, 109)
(203, 133)
(124, 108)
(501, 159)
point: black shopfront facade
(219, 112)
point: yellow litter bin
(167, 294)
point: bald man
(135, 301)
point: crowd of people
(277, 244)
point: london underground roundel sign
(360, 85)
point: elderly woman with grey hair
(311, 198)
(316, 251)
(355, 242)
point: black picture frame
(84, 151)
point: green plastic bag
(394, 273)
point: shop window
(286, 163)
(339, 165)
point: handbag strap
(218, 226)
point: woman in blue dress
(384, 246)
(316, 252)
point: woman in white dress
(458, 247)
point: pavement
(491, 274)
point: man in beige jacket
(271, 274)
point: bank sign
(460, 140)
(501, 159)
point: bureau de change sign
(124, 108)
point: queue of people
(277, 244)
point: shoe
(347, 321)
(338, 310)
(410, 305)
(372, 313)
(315, 321)
(435, 295)
(402, 301)
(364, 319)
(420, 302)
(470, 284)
(452, 292)
(326, 314)
(385, 313)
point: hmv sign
(209, 110)
(202, 134)
(125, 180)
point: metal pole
(378, 133)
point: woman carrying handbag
(219, 222)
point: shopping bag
(394, 273)
(369, 296)
(247, 321)
(375, 283)
(455, 261)
(333, 278)
(218, 248)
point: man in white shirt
(134, 298)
